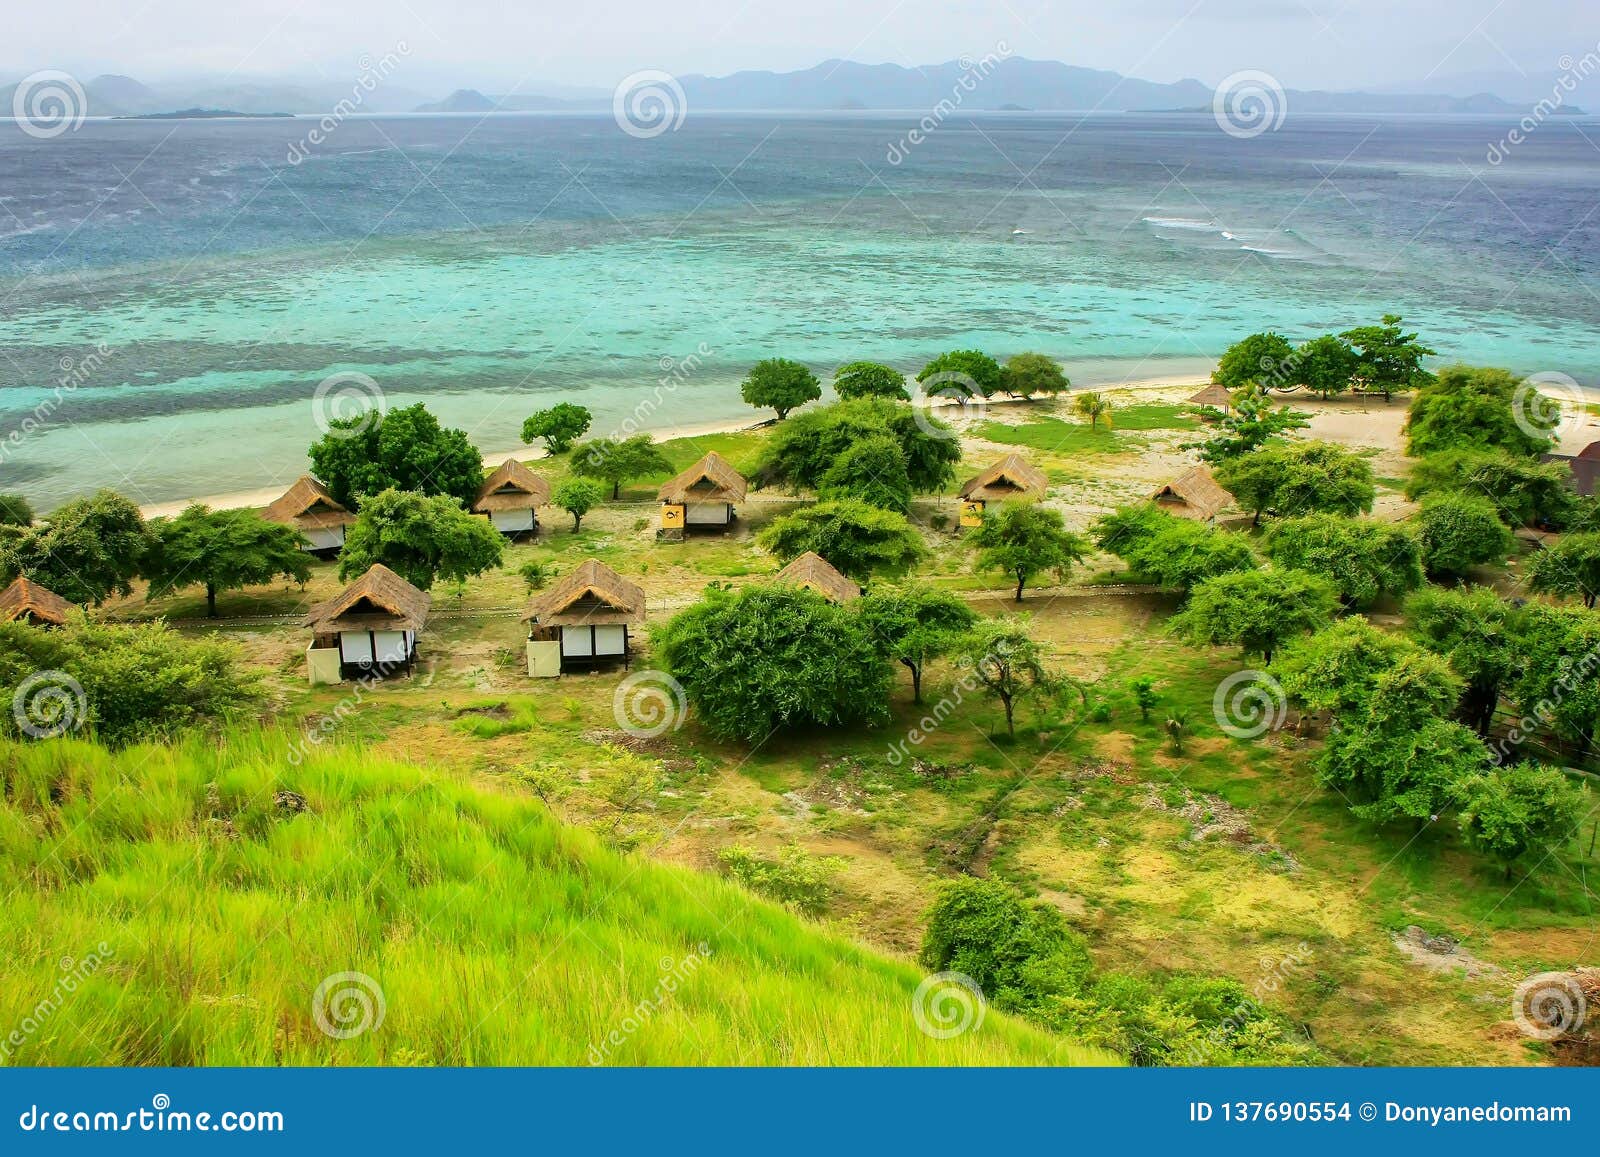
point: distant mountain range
(995, 85)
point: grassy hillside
(177, 906)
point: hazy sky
(476, 43)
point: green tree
(1526, 493)
(870, 380)
(1523, 808)
(1554, 686)
(1388, 359)
(962, 373)
(780, 384)
(800, 451)
(421, 538)
(1299, 478)
(1459, 532)
(1254, 422)
(858, 539)
(15, 510)
(1475, 630)
(1325, 365)
(1571, 568)
(223, 550)
(1170, 551)
(578, 496)
(1260, 361)
(1256, 610)
(1020, 955)
(916, 624)
(1023, 540)
(617, 461)
(1031, 375)
(1145, 698)
(87, 550)
(558, 427)
(406, 449)
(1093, 405)
(774, 657)
(1007, 663)
(1467, 408)
(874, 471)
(1363, 558)
(1338, 668)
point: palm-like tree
(1093, 405)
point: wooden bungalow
(1214, 395)
(583, 621)
(701, 498)
(27, 601)
(813, 572)
(1584, 465)
(310, 508)
(370, 629)
(1011, 477)
(1192, 494)
(511, 498)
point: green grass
(1058, 436)
(496, 934)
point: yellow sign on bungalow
(671, 517)
(972, 514)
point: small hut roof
(1197, 490)
(379, 600)
(814, 571)
(308, 505)
(1213, 395)
(26, 597)
(512, 487)
(1011, 477)
(592, 595)
(708, 480)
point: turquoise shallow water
(494, 269)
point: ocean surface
(173, 293)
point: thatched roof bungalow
(703, 496)
(813, 572)
(1192, 494)
(311, 509)
(369, 628)
(29, 602)
(1013, 476)
(510, 498)
(583, 620)
(1213, 395)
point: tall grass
(497, 935)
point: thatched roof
(1193, 494)
(1213, 395)
(379, 600)
(813, 571)
(593, 595)
(26, 597)
(1011, 477)
(308, 505)
(708, 480)
(512, 487)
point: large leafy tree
(1515, 810)
(1029, 375)
(1170, 551)
(771, 657)
(1363, 558)
(1008, 663)
(1388, 360)
(1337, 669)
(557, 427)
(1253, 423)
(962, 373)
(1023, 540)
(1571, 567)
(1256, 610)
(1459, 532)
(1325, 365)
(802, 450)
(86, 551)
(780, 384)
(916, 624)
(405, 449)
(872, 470)
(1468, 408)
(222, 550)
(1299, 478)
(858, 539)
(421, 538)
(870, 380)
(1556, 682)
(1474, 629)
(1526, 492)
(622, 460)
(1262, 360)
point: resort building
(28, 602)
(583, 621)
(1011, 477)
(309, 508)
(701, 498)
(815, 573)
(1585, 466)
(1214, 395)
(511, 497)
(368, 630)
(1193, 494)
